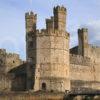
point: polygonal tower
(83, 42)
(51, 54)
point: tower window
(13, 61)
(43, 86)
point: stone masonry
(51, 65)
(48, 52)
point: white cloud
(94, 31)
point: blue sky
(81, 13)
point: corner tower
(60, 18)
(83, 42)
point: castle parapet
(9, 55)
(2, 51)
(60, 8)
(52, 33)
(82, 30)
(28, 14)
(80, 60)
(50, 24)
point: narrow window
(43, 86)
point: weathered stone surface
(51, 65)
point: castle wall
(18, 83)
(95, 54)
(84, 73)
(12, 61)
(5, 83)
(31, 96)
(8, 61)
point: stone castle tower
(48, 53)
(83, 42)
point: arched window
(43, 86)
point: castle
(50, 64)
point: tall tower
(50, 54)
(83, 42)
(31, 19)
(60, 18)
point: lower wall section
(85, 86)
(48, 96)
(32, 96)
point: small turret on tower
(31, 20)
(60, 18)
(50, 24)
(83, 41)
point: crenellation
(2, 50)
(30, 14)
(50, 24)
(41, 32)
(60, 8)
(80, 60)
(82, 30)
(12, 55)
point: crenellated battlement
(80, 60)
(82, 30)
(2, 51)
(43, 32)
(30, 14)
(60, 8)
(14, 55)
(94, 46)
(50, 19)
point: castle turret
(83, 42)
(31, 19)
(50, 24)
(60, 18)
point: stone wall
(8, 61)
(12, 60)
(84, 73)
(5, 82)
(47, 96)
(31, 96)
(95, 54)
(80, 60)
